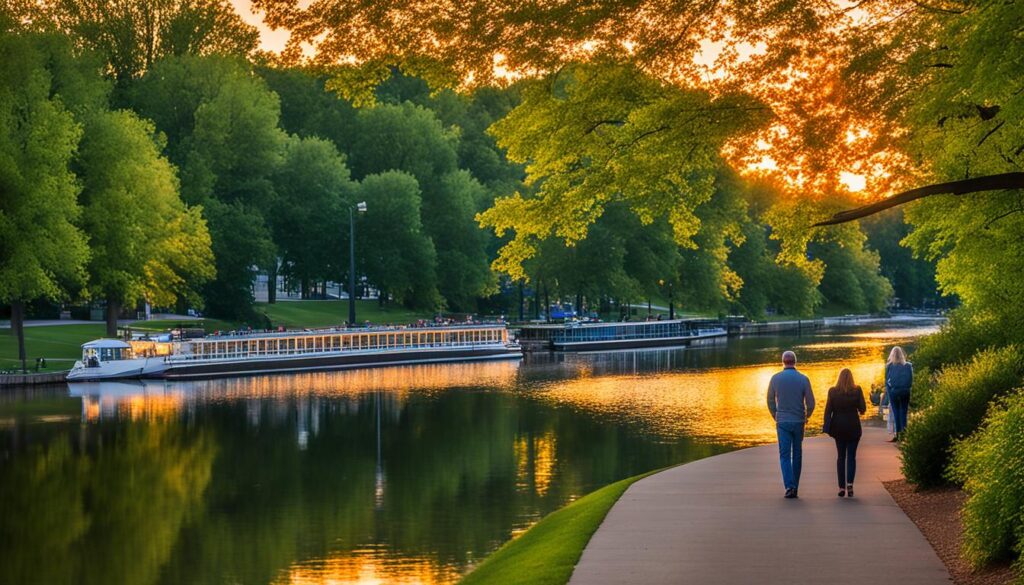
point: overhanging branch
(975, 185)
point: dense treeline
(173, 165)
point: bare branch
(975, 185)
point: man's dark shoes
(790, 494)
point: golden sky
(270, 40)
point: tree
(221, 124)
(42, 251)
(410, 138)
(397, 256)
(912, 278)
(595, 134)
(308, 109)
(145, 243)
(132, 36)
(310, 215)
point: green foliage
(597, 133)
(308, 109)
(398, 257)
(548, 552)
(132, 36)
(912, 278)
(410, 138)
(41, 249)
(851, 279)
(990, 466)
(961, 337)
(310, 213)
(241, 241)
(222, 128)
(959, 401)
(144, 242)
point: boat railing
(254, 354)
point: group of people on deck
(791, 403)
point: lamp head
(361, 206)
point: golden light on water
(535, 462)
(725, 404)
(369, 566)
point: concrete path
(723, 521)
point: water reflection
(393, 475)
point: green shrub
(922, 391)
(960, 339)
(990, 465)
(959, 401)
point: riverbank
(548, 551)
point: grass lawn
(61, 345)
(210, 325)
(547, 553)
(300, 314)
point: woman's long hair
(896, 356)
(845, 384)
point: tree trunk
(536, 303)
(272, 283)
(547, 305)
(521, 286)
(579, 305)
(113, 310)
(18, 328)
(305, 288)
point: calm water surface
(391, 475)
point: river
(390, 475)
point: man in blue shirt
(791, 402)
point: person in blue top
(790, 402)
(899, 377)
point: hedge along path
(547, 553)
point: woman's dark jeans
(846, 462)
(900, 401)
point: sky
(270, 40)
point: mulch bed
(937, 514)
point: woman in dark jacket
(899, 377)
(842, 423)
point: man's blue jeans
(791, 439)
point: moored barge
(254, 353)
(625, 335)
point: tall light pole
(352, 209)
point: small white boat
(250, 353)
(112, 358)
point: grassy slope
(547, 553)
(327, 313)
(56, 342)
(62, 344)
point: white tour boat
(251, 353)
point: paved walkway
(723, 521)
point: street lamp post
(671, 304)
(360, 207)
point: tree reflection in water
(406, 474)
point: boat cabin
(96, 352)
